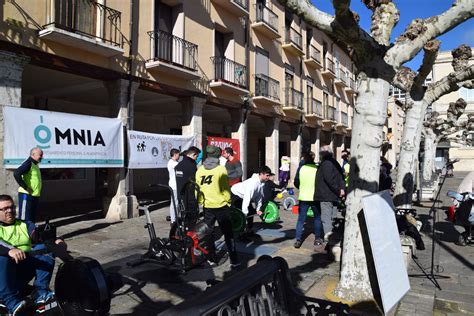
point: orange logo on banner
(225, 142)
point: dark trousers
(14, 277)
(222, 215)
(27, 206)
(237, 203)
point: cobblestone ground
(150, 289)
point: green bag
(310, 212)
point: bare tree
(420, 99)
(436, 129)
(379, 64)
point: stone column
(316, 146)
(295, 149)
(192, 118)
(11, 70)
(120, 201)
(239, 131)
(272, 138)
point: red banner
(225, 142)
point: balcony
(351, 87)
(266, 90)
(86, 25)
(314, 108)
(293, 42)
(236, 7)
(229, 76)
(344, 119)
(329, 117)
(266, 22)
(313, 57)
(341, 78)
(293, 100)
(172, 55)
(328, 71)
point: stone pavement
(150, 289)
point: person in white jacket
(248, 191)
(174, 160)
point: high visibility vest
(307, 177)
(16, 235)
(33, 179)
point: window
(63, 174)
(466, 94)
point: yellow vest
(214, 186)
(307, 177)
(33, 179)
(16, 235)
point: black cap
(266, 170)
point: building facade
(463, 152)
(248, 70)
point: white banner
(146, 150)
(67, 140)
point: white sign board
(67, 140)
(386, 248)
(146, 150)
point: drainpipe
(130, 111)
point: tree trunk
(367, 136)
(430, 154)
(407, 162)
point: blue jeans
(14, 277)
(302, 213)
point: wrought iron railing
(344, 119)
(330, 113)
(262, 289)
(87, 17)
(267, 87)
(329, 65)
(244, 4)
(267, 16)
(293, 36)
(229, 71)
(314, 54)
(294, 98)
(341, 75)
(172, 49)
(314, 107)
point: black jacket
(185, 170)
(329, 181)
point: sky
(409, 10)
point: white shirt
(249, 190)
(172, 181)
(222, 161)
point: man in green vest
(28, 177)
(17, 268)
(305, 181)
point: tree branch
(449, 83)
(403, 79)
(345, 30)
(384, 18)
(431, 52)
(420, 31)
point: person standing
(305, 182)
(346, 167)
(185, 172)
(28, 177)
(248, 191)
(172, 163)
(214, 195)
(233, 166)
(329, 189)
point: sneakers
(44, 297)
(318, 242)
(297, 244)
(18, 308)
(319, 246)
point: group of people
(18, 236)
(219, 188)
(321, 186)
